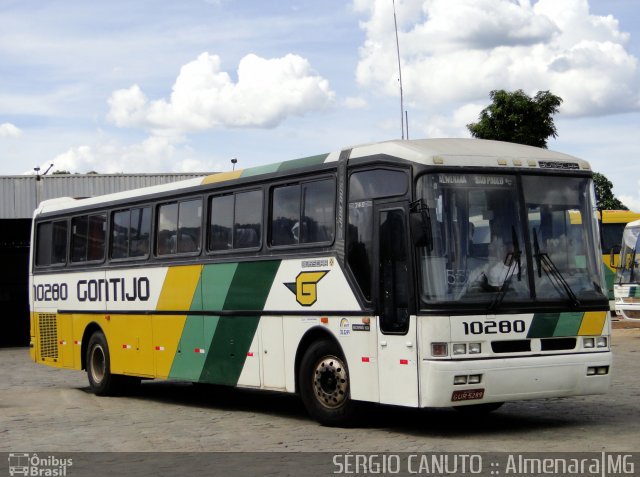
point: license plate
(467, 395)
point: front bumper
(511, 379)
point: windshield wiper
(544, 262)
(511, 260)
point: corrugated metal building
(19, 196)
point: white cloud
(355, 103)
(459, 51)
(154, 154)
(266, 93)
(9, 130)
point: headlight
(475, 348)
(459, 348)
(601, 342)
(588, 342)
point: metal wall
(20, 195)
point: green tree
(604, 193)
(60, 173)
(513, 116)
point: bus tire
(479, 409)
(324, 384)
(101, 381)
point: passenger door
(397, 349)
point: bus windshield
(488, 247)
(628, 272)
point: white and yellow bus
(423, 273)
(612, 224)
(627, 286)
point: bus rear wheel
(101, 381)
(324, 384)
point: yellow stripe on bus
(593, 323)
(223, 176)
(180, 285)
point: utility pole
(395, 23)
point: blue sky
(152, 86)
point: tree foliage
(513, 116)
(604, 194)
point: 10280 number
(492, 327)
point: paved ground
(47, 409)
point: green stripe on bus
(248, 290)
(569, 324)
(302, 162)
(543, 325)
(256, 171)
(251, 285)
(217, 280)
(551, 325)
(198, 331)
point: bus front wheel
(324, 384)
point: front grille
(511, 346)
(48, 335)
(557, 344)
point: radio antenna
(395, 23)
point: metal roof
(20, 195)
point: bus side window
(285, 215)
(88, 233)
(167, 229)
(189, 224)
(51, 246)
(247, 219)
(303, 213)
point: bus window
(221, 228)
(376, 183)
(364, 186)
(189, 224)
(318, 212)
(88, 234)
(235, 221)
(139, 232)
(167, 229)
(51, 247)
(247, 219)
(285, 215)
(303, 213)
(130, 232)
(179, 227)
(394, 259)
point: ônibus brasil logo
(34, 465)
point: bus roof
(441, 152)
